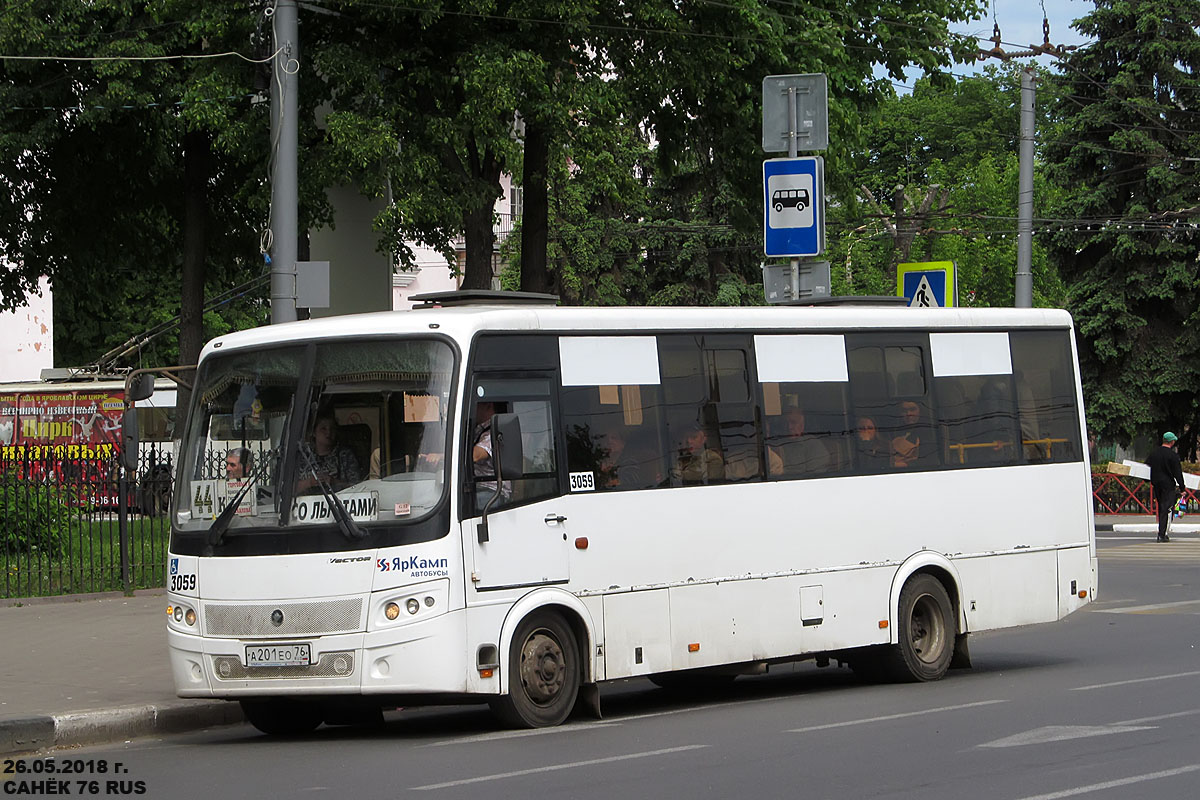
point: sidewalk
(1145, 523)
(93, 669)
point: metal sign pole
(793, 125)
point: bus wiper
(216, 531)
(345, 522)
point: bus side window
(1046, 396)
(612, 437)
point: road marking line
(557, 767)
(1063, 733)
(1146, 608)
(492, 737)
(1159, 717)
(893, 716)
(1135, 680)
(1099, 787)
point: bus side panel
(637, 633)
(755, 620)
(1077, 573)
(1002, 591)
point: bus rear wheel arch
(543, 673)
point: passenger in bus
(907, 449)
(870, 451)
(238, 463)
(628, 464)
(481, 454)
(698, 463)
(323, 460)
(797, 452)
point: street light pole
(1024, 277)
(284, 126)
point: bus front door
(527, 533)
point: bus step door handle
(554, 518)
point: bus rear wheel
(927, 631)
(282, 717)
(543, 674)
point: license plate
(295, 654)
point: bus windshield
(284, 432)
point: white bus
(687, 494)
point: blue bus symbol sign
(793, 219)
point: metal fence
(60, 527)
(1124, 494)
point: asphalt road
(1102, 705)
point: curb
(29, 735)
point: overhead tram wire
(137, 341)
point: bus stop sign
(794, 206)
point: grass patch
(90, 559)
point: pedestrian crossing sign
(928, 284)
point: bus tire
(543, 673)
(926, 634)
(282, 717)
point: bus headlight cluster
(412, 605)
(182, 615)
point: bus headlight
(189, 617)
(412, 605)
(391, 611)
(179, 613)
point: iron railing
(59, 524)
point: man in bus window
(907, 448)
(237, 464)
(798, 452)
(484, 465)
(698, 463)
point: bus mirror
(139, 387)
(129, 440)
(509, 455)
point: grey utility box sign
(811, 281)
(811, 123)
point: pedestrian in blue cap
(1165, 474)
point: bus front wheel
(926, 631)
(543, 673)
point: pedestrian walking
(1165, 475)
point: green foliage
(1124, 157)
(958, 143)
(33, 517)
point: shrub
(33, 517)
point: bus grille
(331, 665)
(299, 619)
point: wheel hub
(928, 637)
(542, 668)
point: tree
(1125, 159)
(689, 79)
(120, 172)
(939, 175)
